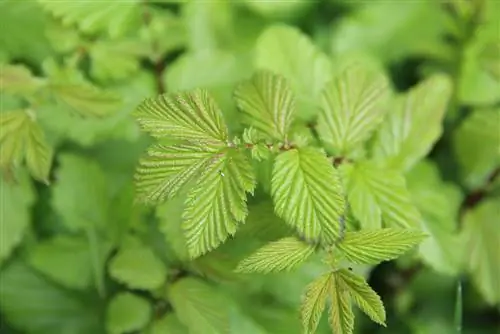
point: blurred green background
(68, 221)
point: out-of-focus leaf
(17, 79)
(168, 324)
(414, 124)
(34, 305)
(379, 195)
(15, 202)
(138, 268)
(127, 313)
(23, 140)
(80, 194)
(477, 146)
(308, 69)
(200, 308)
(439, 204)
(481, 236)
(279, 9)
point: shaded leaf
(353, 104)
(267, 103)
(281, 255)
(372, 247)
(314, 302)
(17, 79)
(376, 194)
(414, 123)
(362, 295)
(199, 307)
(127, 312)
(306, 192)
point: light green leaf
(166, 169)
(372, 247)
(476, 143)
(34, 305)
(53, 257)
(482, 239)
(138, 268)
(86, 100)
(306, 192)
(169, 215)
(115, 18)
(115, 60)
(202, 309)
(22, 139)
(15, 202)
(80, 194)
(376, 194)
(267, 104)
(217, 203)
(279, 10)
(341, 317)
(17, 79)
(314, 301)
(281, 255)
(289, 52)
(168, 324)
(362, 295)
(414, 124)
(127, 312)
(192, 116)
(353, 105)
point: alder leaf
(86, 100)
(353, 105)
(482, 239)
(191, 116)
(217, 202)
(267, 103)
(138, 268)
(289, 52)
(314, 302)
(280, 255)
(341, 317)
(22, 139)
(199, 307)
(92, 17)
(372, 247)
(362, 295)
(306, 192)
(414, 123)
(376, 194)
(127, 313)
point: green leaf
(376, 194)
(217, 203)
(16, 200)
(202, 309)
(353, 105)
(86, 100)
(17, 79)
(372, 247)
(414, 124)
(308, 69)
(191, 116)
(95, 16)
(476, 143)
(341, 317)
(127, 312)
(54, 256)
(306, 192)
(80, 193)
(267, 104)
(281, 255)
(168, 324)
(22, 139)
(34, 305)
(138, 268)
(115, 60)
(482, 237)
(314, 302)
(362, 295)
